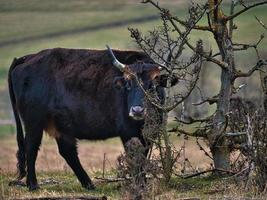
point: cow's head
(146, 74)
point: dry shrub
(257, 152)
(133, 166)
(156, 134)
(252, 142)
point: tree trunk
(218, 142)
(263, 76)
(219, 147)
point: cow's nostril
(138, 109)
(137, 112)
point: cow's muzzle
(137, 112)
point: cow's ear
(153, 74)
(163, 80)
(119, 82)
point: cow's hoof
(17, 183)
(89, 186)
(34, 187)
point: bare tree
(170, 47)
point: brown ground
(91, 154)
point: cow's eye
(119, 82)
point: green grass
(3, 77)
(6, 130)
(65, 184)
(64, 5)
(68, 185)
(30, 24)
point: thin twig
(261, 23)
(244, 10)
(259, 64)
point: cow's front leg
(68, 150)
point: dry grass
(91, 155)
(51, 165)
(57, 180)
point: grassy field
(64, 184)
(57, 180)
(28, 26)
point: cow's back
(80, 69)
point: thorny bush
(250, 127)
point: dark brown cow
(77, 94)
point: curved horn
(115, 61)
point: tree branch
(196, 27)
(192, 120)
(211, 100)
(241, 47)
(259, 64)
(172, 19)
(196, 133)
(244, 10)
(208, 58)
(261, 23)
(182, 22)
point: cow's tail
(21, 165)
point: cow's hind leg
(21, 167)
(33, 139)
(68, 150)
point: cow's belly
(95, 130)
(85, 122)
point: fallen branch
(232, 134)
(204, 172)
(111, 179)
(67, 198)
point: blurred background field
(28, 26)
